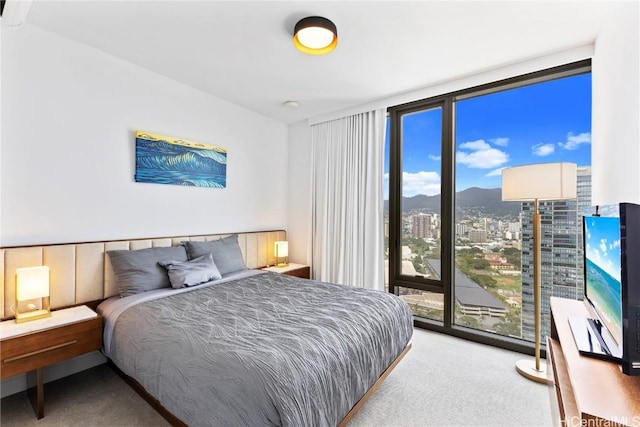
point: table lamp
(281, 250)
(32, 293)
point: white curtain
(347, 200)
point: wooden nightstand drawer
(291, 269)
(303, 272)
(35, 350)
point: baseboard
(19, 383)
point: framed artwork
(162, 159)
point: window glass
(537, 123)
(462, 256)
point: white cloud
(496, 172)
(593, 253)
(423, 182)
(574, 141)
(603, 246)
(502, 142)
(480, 144)
(481, 155)
(543, 149)
(436, 158)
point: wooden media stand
(588, 391)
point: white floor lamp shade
(544, 181)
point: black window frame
(447, 218)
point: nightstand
(30, 346)
(297, 270)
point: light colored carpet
(95, 397)
(446, 381)
(442, 381)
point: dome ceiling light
(315, 35)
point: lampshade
(281, 248)
(315, 35)
(543, 181)
(32, 293)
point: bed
(249, 348)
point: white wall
(67, 159)
(69, 113)
(299, 226)
(616, 106)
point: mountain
(475, 201)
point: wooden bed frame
(175, 421)
(373, 388)
(81, 273)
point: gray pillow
(138, 271)
(226, 253)
(191, 273)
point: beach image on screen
(602, 271)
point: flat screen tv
(611, 238)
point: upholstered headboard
(81, 272)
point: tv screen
(611, 237)
(603, 286)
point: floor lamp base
(527, 368)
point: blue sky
(603, 244)
(541, 123)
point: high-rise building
(561, 270)
(478, 236)
(421, 226)
(462, 229)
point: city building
(421, 226)
(498, 262)
(462, 229)
(478, 236)
(485, 224)
(471, 298)
(512, 235)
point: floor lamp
(544, 181)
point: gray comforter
(264, 350)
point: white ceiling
(242, 51)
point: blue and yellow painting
(163, 159)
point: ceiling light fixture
(291, 104)
(315, 35)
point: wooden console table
(588, 391)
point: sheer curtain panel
(347, 200)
